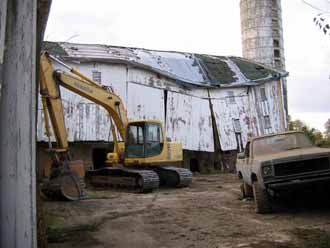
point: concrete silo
(262, 33)
(262, 37)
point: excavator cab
(144, 139)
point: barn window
(97, 76)
(277, 53)
(237, 126)
(267, 123)
(231, 96)
(274, 3)
(275, 22)
(276, 43)
(263, 96)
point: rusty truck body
(280, 162)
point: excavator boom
(82, 86)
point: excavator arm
(66, 179)
(81, 85)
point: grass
(57, 232)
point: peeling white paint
(189, 122)
(188, 117)
(184, 68)
(145, 103)
(250, 109)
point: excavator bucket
(66, 182)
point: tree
(327, 128)
(313, 134)
(322, 19)
(296, 125)
(318, 136)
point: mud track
(208, 214)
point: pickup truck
(280, 162)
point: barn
(211, 104)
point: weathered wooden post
(17, 123)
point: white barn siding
(84, 120)
(201, 136)
(250, 110)
(189, 122)
(145, 103)
(271, 107)
(226, 112)
(188, 117)
(178, 118)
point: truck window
(280, 143)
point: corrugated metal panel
(189, 122)
(177, 65)
(185, 68)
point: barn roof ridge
(190, 69)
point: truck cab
(281, 162)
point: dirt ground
(210, 213)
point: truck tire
(261, 199)
(248, 190)
(242, 191)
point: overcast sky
(208, 26)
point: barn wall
(143, 93)
(84, 120)
(145, 102)
(226, 112)
(189, 122)
(185, 112)
(250, 109)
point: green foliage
(58, 232)
(313, 134)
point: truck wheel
(242, 191)
(261, 199)
(248, 190)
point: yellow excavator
(143, 159)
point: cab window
(154, 139)
(135, 141)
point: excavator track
(171, 176)
(142, 180)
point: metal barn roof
(186, 68)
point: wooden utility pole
(17, 123)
